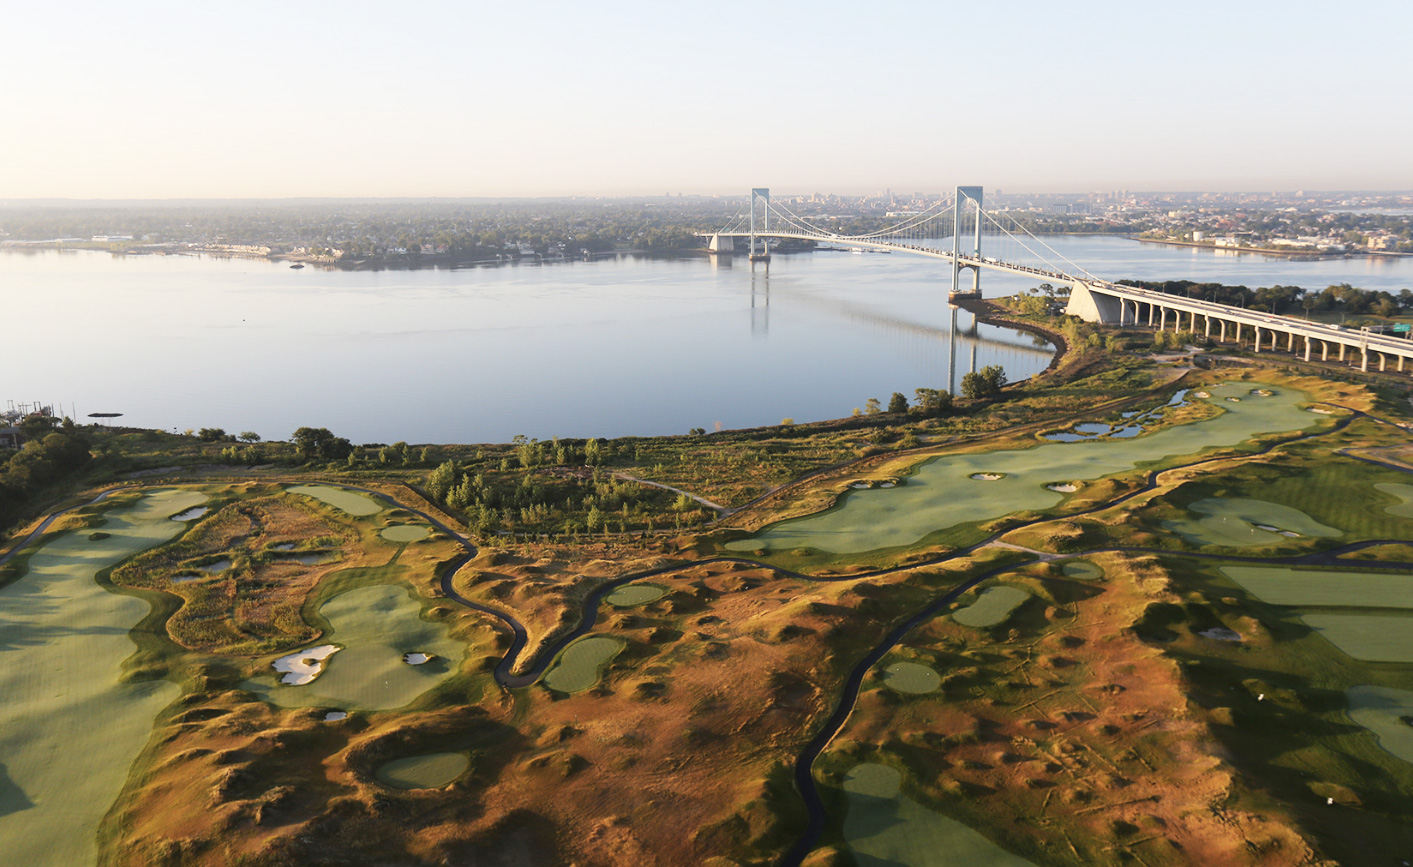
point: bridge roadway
(1100, 301)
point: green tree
(872, 406)
(319, 442)
(249, 436)
(897, 403)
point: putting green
(885, 827)
(635, 594)
(1081, 570)
(992, 606)
(1404, 493)
(424, 772)
(1282, 585)
(911, 677)
(352, 502)
(1233, 522)
(69, 728)
(1385, 712)
(1370, 637)
(405, 533)
(374, 626)
(579, 666)
(940, 494)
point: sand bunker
(190, 514)
(417, 658)
(987, 477)
(1221, 633)
(303, 666)
(1064, 487)
(335, 715)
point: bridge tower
(965, 194)
(761, 195)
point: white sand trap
(1262, 392)
(888, 484)
(303, 666)
(1221, 633)
(1203, 394)
(190, 514)
(416, 658)
(988, 477)
(1234, 399)
(860, 485)
(335, 715)
(1321, 410)
(1066, 488)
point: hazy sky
(268, 99)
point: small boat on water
(297, 265)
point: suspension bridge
(952, 230)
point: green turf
(423, 772)
(992, 606)
(635, 594)
(942, 494)
(1082, 570)
(1386, 713)
(1404, 493)
(405, 533)
(1370, 637)
(885, 828)
(375, 626)
(352, 502)
(911, 677)
(1282, 585)
(69, 727)
(578, 667)
(1232, 522)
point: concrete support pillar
(1223, 323)
(1275, 340)
(1238, 333)
(1258, 338)
(1363, 359)
(1193, 326)
(1383, 362)
(1307, 348)
(1324, 350)
(1150, 314)
(1400, 364)
(1209, 326)
(1291, 346)
(1342, 347)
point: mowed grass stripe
(1324, 588)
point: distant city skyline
(160, 100)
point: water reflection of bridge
(920, 342)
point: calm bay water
(623, 346)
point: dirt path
(723, 510)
